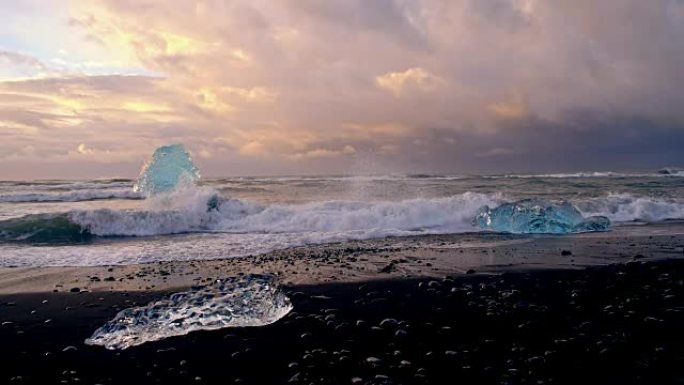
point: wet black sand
(618, 324)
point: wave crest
(626, 207)
(201, 210)
(71, 196)
(191, 214)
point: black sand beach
(617, 324)
(340, 192)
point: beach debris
(538, 216)
(169, 166)
(250, 300)
(390, 267)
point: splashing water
(242, 216)
(251, 300)
(169, 167)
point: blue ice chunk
(536, 216)
(169, 166)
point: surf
(174, 202)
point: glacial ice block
(169, 166)
(250, 300)
(537, 216)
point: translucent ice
(168, 167)
(251, 300)
(538, 216)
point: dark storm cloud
(585, 140)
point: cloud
(253, 148)
(377, 131)
(17, 59)
(82, 149)
(270, 87)
(414, 78)
(496, 152)
(514, 108)
(323, 153)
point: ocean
(42, 223)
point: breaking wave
(237, 216)
(626, 207)
(43, 228)
(188, 211)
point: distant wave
(68, 185)
(589, 174)
(593, 174)
(69, 196)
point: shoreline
(479, 308)
(614, 324)
(353, 261)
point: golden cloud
(412, 78)
(323, 153)
(514, 108)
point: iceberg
(250, 300)
(536, 216)
(169, 166)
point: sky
(89, 88)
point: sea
(106, 222)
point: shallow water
(261, 214)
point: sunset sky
(88, 88)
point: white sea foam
(181, 211)
(186, 211)
(588, 174)
(241, 227)
(626, 207)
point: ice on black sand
(251, 300)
